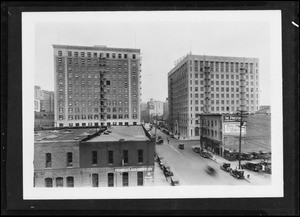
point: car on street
(181, 146)
(205, 154)
(210, 171)
(226, 167)
(174, 181)
(239, 174)
(252, 166)
(196, 148)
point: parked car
(239, 174)
(226, 167)
(266, 167)
(245, 156)
(205, 154)
(256, 155)
(252, 166)
(181, 146)
(196, 148)
(167, 170)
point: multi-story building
(37, 98)
(210, 84)
(155, 109)
(43, 120)
(47, 101)
(166, 111)
(85, 157)
(96, 86)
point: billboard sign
(233, 128)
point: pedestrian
(168, 140)
(248, 176)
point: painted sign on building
(133, 169)
(233, 128)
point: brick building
(118, 156)
(96, 86)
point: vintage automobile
(226, 167)
(239, 174)
(205, 154)
(174, 181)
(252, 166)
(167, 170)
(181, 146)
(172, 135)
(245, 156)
(196, 148)
(210, 171)
(266, 167)
(256, 155)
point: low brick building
(117, 156)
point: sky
(162, 37)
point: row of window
(97, 124)
(218, 76)
(222, 89)
(59, 181)
(96, 55)
(97, 117)
(94, 158)
(217, 95)
(220, 66)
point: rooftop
(125, 133)
(63, 134)
(96, 48)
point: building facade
(47, 101)
(37, 98)
(210, 84)
(96, 86)
(117, 156)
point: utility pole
(240, 140)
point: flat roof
(63, 134)
(96, 48)
(125, 133)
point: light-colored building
(155, 109)
(37, 98)
(210, 84)
(166, 111)
(47, 101)
(96, 86)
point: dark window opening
(140, 179)
(140, 156)
(48, 182)
(110, 157)
(110, 177)
(94, 157)
(48, 160)
(95, 180)
(70, 181)
(125, 179)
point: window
(140, 156)
(95, 180)
(59, 182)
(110, 177)
(69, 159)
(70, 181)
(48, 160)
(110, 157)
(94, 158)
(48, 182)
(82, 54)
(140, 178)
(59, 53)
(133, 56)
(125, 179)
(125, 157)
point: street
(189, 167)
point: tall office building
(47, 101)
(96, 85)
(210, 84)
(37, 98)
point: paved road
(189, 167)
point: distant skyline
(162, 37)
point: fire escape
(102, 85)
(206, 87)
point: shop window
(140, 178)
(125, 179)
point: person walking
(168, 140)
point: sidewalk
(159, 177)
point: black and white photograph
(152, 104)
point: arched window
(59, 182)
(70, 181)
(48, 182)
